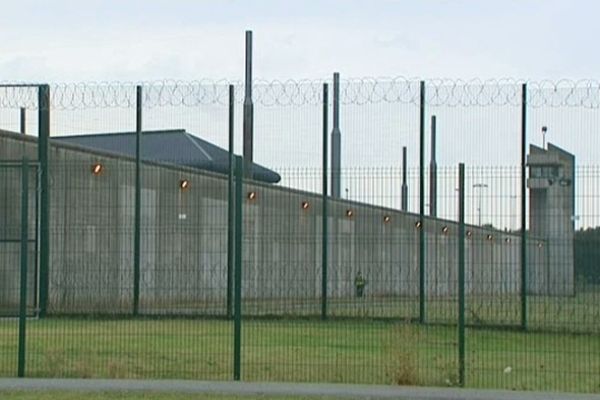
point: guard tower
(551, 186)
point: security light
(97, 169)
(305, 205)
(251, 195)
(386, 219)
(184, 184)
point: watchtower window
(549, 171)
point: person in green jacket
(359, 284)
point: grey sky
(66, 40)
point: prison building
(184, 230)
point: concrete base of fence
(281, 389)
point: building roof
(552, 155)
(170, 146)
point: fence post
(404, 194)
(24, 262)
(336, 142)
(248, 111)
(237, 324)
(524, 207)
(230, 207)
(461, 274)
(43, 152)
(433, 171)
(23, 120)
(325, 233)
(422, 203)
(138, 201)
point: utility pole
(433, 172)
(248, 111)
(336, 141)
(404, 204)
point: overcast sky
(63, 40)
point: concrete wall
(184, 244)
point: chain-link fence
(351, 247)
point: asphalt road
(300, 389)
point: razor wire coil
(296, 93)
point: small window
(550, 172)
(545, 172)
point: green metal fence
(474, 266)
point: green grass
(578, 313)
(303, 351)
(75, 395)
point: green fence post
(138, 201)
(23, 121)
(325, 233)
(248, 123)
(24, 249)
(230, 207)
(336, 141)
(523, 207)
(43, 148)
(237, 324)
(461, 274)
(422, 203)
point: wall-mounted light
(349, 213)
(418, 224)
(507, 240)
(490, 237)
(252, 196)
(184, 184)
(445, 229)
(97, 169)
(305, 205)
(386, 219)
(469, 234)
(540, 245)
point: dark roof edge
(100, 153)
(197, 145)
(17, 135)
(144, 132)
(561, 151)
(536, 148)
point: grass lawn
(579, 313)
(303, 351)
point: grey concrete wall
(184, 245)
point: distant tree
(587, 255)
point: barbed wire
(294, 93)
(15, 96)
